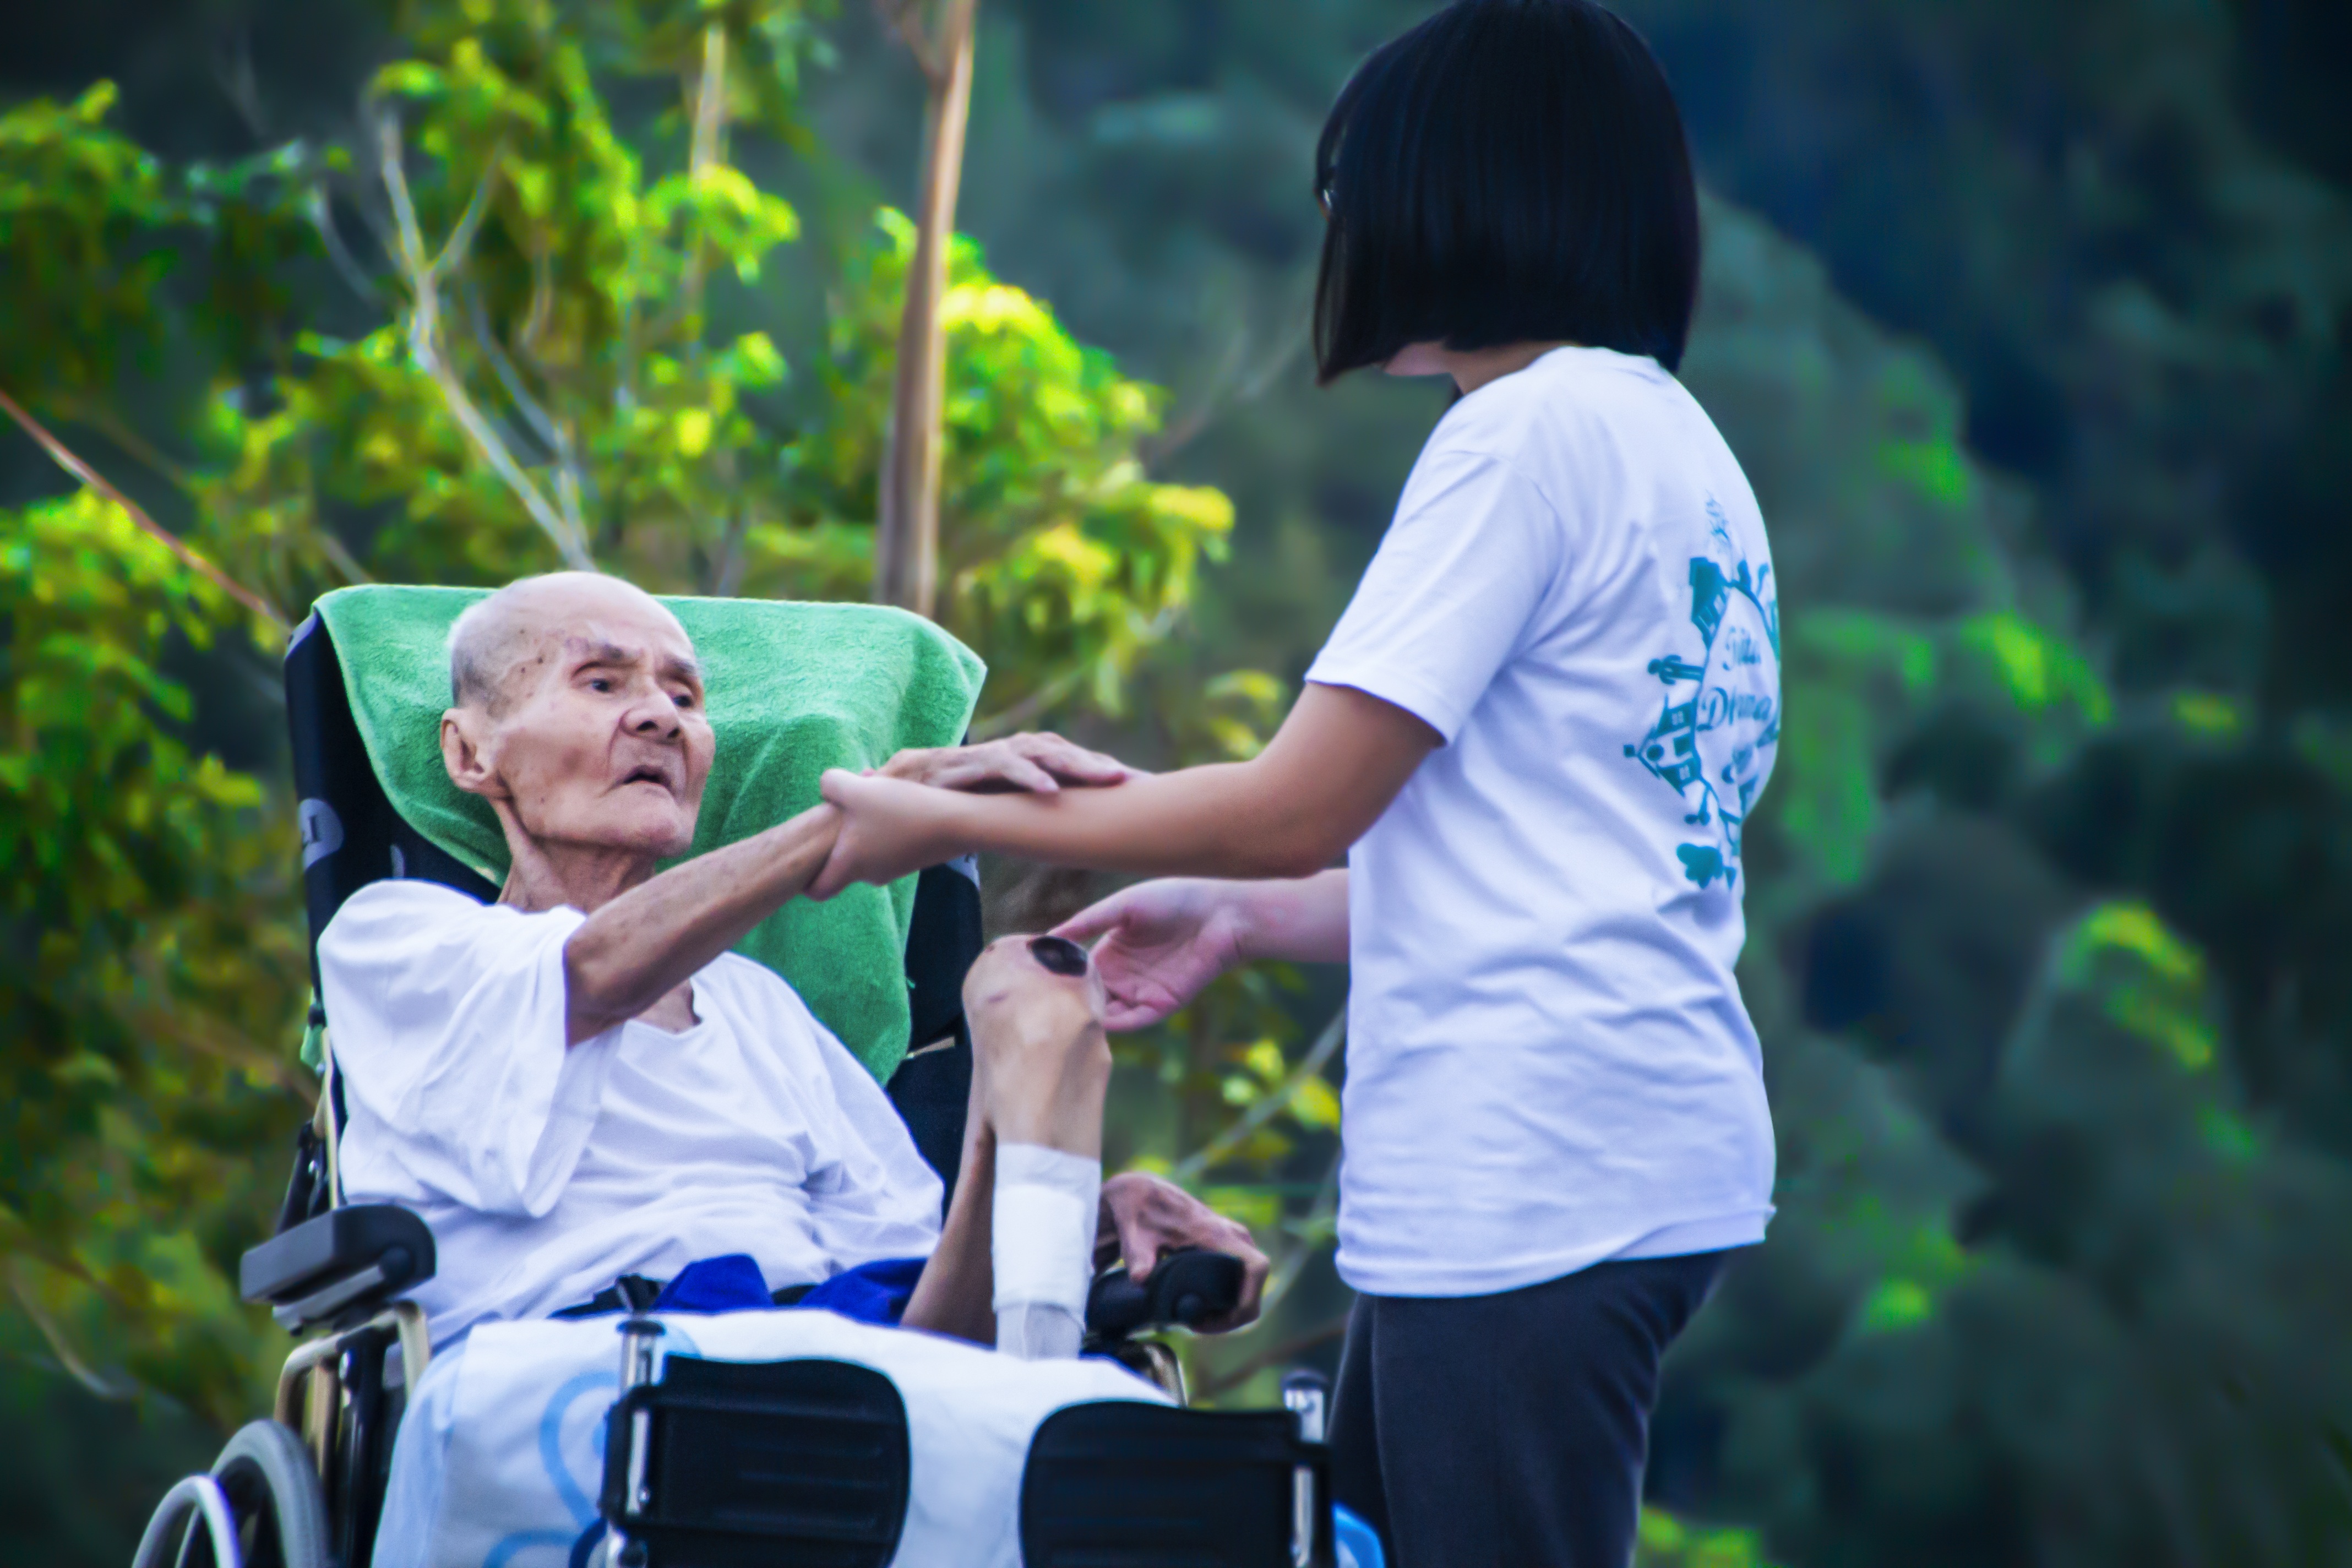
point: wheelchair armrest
(358, 1255)
(1185, 1288)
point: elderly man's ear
(465, 751)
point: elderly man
(580, 1083)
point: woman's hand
(1032, 764)
(1145, 1217)
(1156, 944)
(889, 829)
(897, 829)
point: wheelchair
(711, 1464)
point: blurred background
(2032, 324)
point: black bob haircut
(1509, 170)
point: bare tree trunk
(906, 540)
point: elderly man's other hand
(1145, 1217)
(1034, 765)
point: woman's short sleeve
(1473, 552)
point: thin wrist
(812, 833)
(1240, 907)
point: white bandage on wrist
(1042, 1246)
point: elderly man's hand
(1145, 1217)
(1036, 764)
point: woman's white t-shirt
(1548, 1063)
(546, 1172)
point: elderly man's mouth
(651, 775)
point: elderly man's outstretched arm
(649, 941)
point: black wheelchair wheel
(282, 1512)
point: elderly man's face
(599, 737)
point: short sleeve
(446, 1020)
(1471, 557)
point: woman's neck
(1470, 368)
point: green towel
(794, 689)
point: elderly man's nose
(657, 718)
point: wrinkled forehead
(617, 628)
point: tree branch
(1026, 712)
(1264, 1111)
(64, 458)
(131, 444)
(342, 560)
(1233, 383)
(486, 340)
(907, 511)
(55, 1337)
(424, 338)
(899, 17)
(543, 303)
(1288, 1350)
(222, 1043)
(1051, 695)
(711, 102)
(317, 207)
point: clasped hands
(1155, 944)
(895, 819)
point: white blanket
(500, 1456)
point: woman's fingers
(1072, 762)
(1095, 919)
(1022, 773)
(1121, 1017)
(831, 877)
(1040, 765)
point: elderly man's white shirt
(546, 1172)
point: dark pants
(1510, 1428)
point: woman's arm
(1294, 922)
(1291, 811)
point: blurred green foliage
(151, 965)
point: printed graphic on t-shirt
(1720, 725)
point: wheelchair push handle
(1186, 1288)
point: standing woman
(1536, 735)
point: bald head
(497, 640)
(577, 714)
